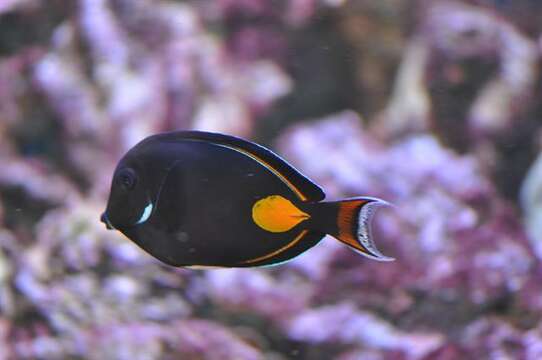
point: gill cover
(136, 183)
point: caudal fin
(351, 224)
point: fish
(202, 199)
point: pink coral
(81, 83)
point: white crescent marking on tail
(364, 230)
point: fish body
(192, 198)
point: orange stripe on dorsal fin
(304, 188)
(295, 189)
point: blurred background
(434, 106)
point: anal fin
(302, 242)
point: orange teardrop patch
(277, 214)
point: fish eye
(127, 179)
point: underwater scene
(434, 107)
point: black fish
(202, 199)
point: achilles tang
(204, 199)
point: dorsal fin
(303, 187)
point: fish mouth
(106, 221)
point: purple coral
(462, 87)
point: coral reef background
(435, 106)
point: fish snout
(105, 220)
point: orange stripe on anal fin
(279, 251)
